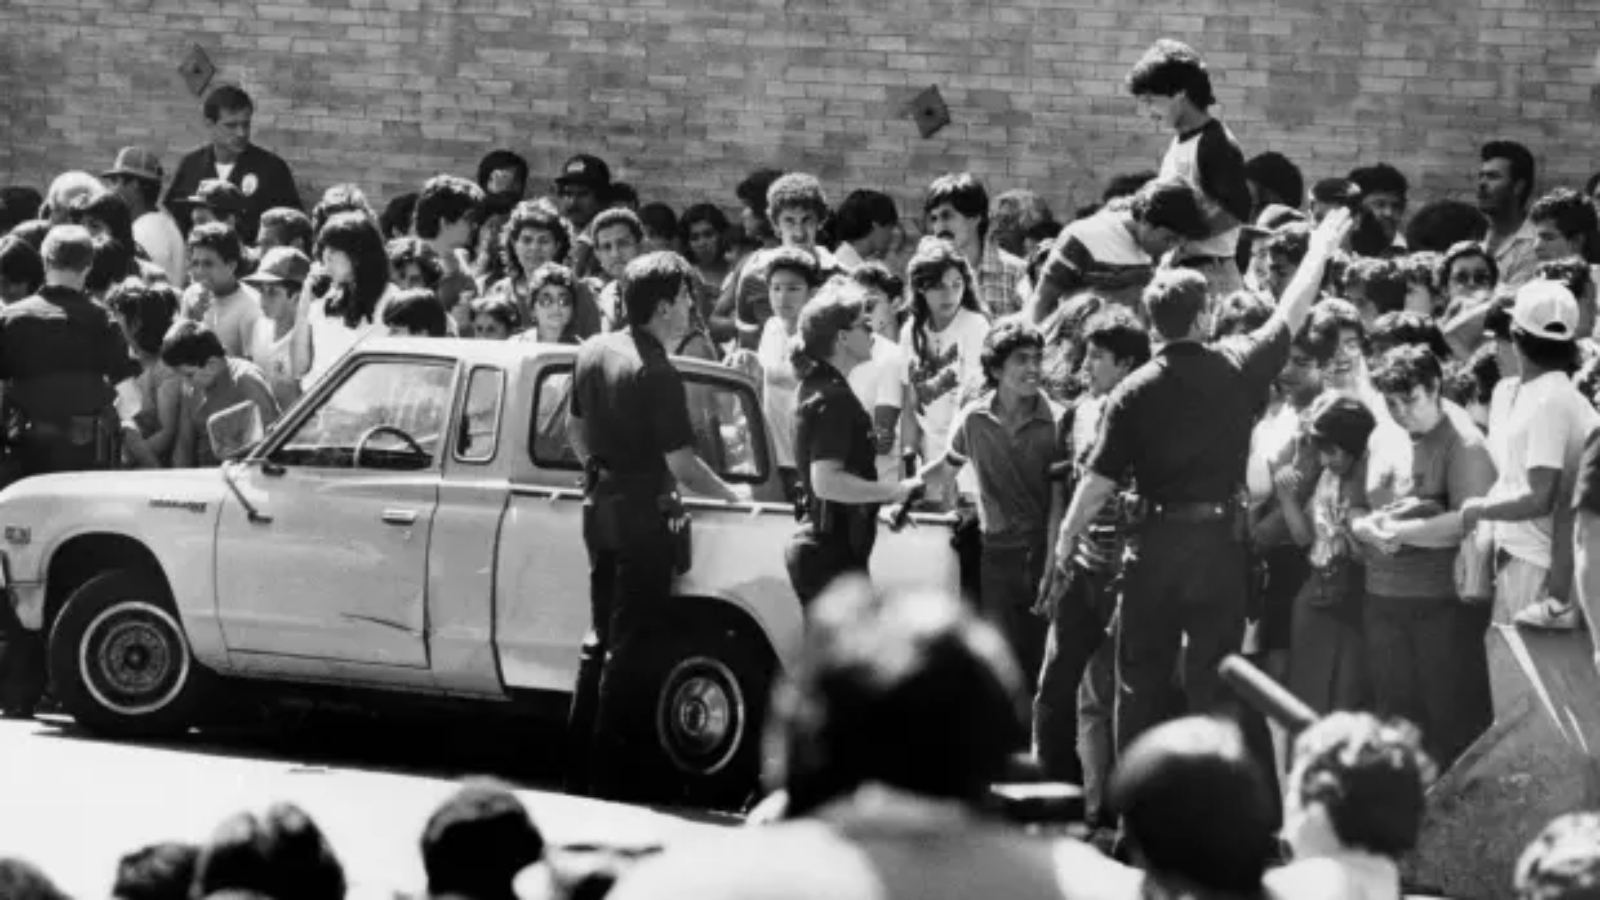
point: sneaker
(1550, 615)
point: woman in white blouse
(352, 254)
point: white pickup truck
(411, 527)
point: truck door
(333, 565)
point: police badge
(249, 185)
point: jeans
(1181, 579)
(1420, 651)
(1008, 578)
(1077, 630)
(1097, 746)
(610, 724)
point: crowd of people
(1214, 412)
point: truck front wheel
(710, 694)
(119, 661)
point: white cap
(1546, 309)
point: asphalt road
(73, 804)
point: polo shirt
(632, 402)
(1181, 423)
(1012, 464)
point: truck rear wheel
(711, 690)
(119, 660)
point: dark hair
(1174, 300)
(701, 212)
(752, 191)
(862, 211)
(494, 161)
(1405, 366)
(22, 880)
(1196, 806)
(965, 193)
(659, 218)
(188, 343)
(20, 263)
(875, 276)
(881, 683)
(356, 236)
(531, 214)
(1563, 860)
(410, 251)
(445, 198)
(927, 267)
(477, 841)
(1065, 346)
(67, 248)
(1368, 775)
(501, 309)
(417, 309)
(1562, 356)
(491, 217)
(1039, 232)
(1380, 179)
(1331, 316)
(835, 309)
(218, 238)
(109, 209)
(1004, 339)
(622, 195)
(1441, 224)
(1573, 274)
(1498, 320)
(337, 199)
(148, 309)
(1408, 329)
(652, 279)
(1014, 214)
(1124, 185)
(295, 225)
(1384, 283)
(1520, 158)
(553, 275)
(797, 189)
(395, 220)
(1483, 370)
(617, 215)
(1170, 68)
(1465, 250)
(1571, 213)
(1240, 313)
(226, 98)
(1170, 203)
(792, 259)
(280, 853)
(1278, 176)
(156, 872)
(17, 205)
(32, 232)
(113, 262)
(1320, 344)
(1421, 269)
(1116, 330)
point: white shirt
(881, 381)
(224, 170)
(1538, 424)
(846, 257)
(160, 237)
(1348, 876)
(964, 337)
(779, 386)
(270, 353)
(233, 316)
(331, 339)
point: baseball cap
(221, 196)
(1546, 309)
(281, 264)
(1335, 190)
(590, 171)
(135, 162)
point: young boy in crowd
(796, 207)
(217, 383)
(279, 278)
(416, 312)
(216, 298)
(618, 235)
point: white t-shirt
(1538, 424)
(270, 353)
(224, 170)
(962, 338)
(779, 385)
(160, 237)
(331, 339)
(233, 317)
(881, 381)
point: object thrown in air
(929, 111)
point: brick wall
(683, 96)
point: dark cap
(135, 162)
(218, 196)
(588, 171)
(279, 265)
(1335, 190)
(1344, 422)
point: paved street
(73, 803)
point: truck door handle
(399, 517)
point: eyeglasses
(545, 301)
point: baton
(903, 514)
(1266, 696)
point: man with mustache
(1505, 185)
(957, 210)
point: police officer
(61, 357)
(1181, 425)
(630, 425)
(834, 450)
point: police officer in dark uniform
(61, 357)
(834, 450)
(1181, 425)
(630, 425)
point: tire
(119, 660)
(709, 692)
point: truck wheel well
(708, 613)
(87, 555)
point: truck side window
(722, 416)
(478, 433)
(552, 403)
(408, 400)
